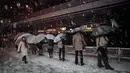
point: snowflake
(11, 7)
(18, 4)
(69, 5)
(83, 14)
(6, 7)
(1, 21)
(84, 2)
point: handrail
(107, 47)
(117, 54)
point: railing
(113, 52)
(116, 52)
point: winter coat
(102, 41)
(22, 48)
(39, 45)
(78, 41)
(61, 43)
(50, 44)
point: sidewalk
(69, 66)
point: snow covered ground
(43, 64)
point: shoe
(63, 59)
(26, 62)
(76, 63)
(110, 68)
(100, 65)
(82, 64)
(40, 54)
(60, 59)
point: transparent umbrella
(59, 37)
(20, 37)
(50, 36)
(31, 39)
(39, 38)
(15, 38)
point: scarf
(25, 42)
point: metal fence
(113, 52)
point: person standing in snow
(78, 44)
(50, 45)
(61, 46)
(23, 48)
(39, 45)
(101, 42)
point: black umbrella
(102, 30)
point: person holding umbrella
(39, 45)
(60, 40)
(39, 41)
(23, 48)
(100, 33)
(50, 44)
(101, 42)
(78, 44)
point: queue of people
(78, 44)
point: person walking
(61, 46)
(22, 47)
(78, 44)
(101, 42)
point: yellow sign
(89, 28)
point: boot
(63, 54)
(99, 65)
(99, 61)
(24, 59)
(81, 58)
(60, 54)
(63, 59)
(76, 57)
(107, 66)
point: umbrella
(31, 39)
(102, 30)
(39, 38)
(59, 37)
(24, 35)
(20, 37)
(50, 36)
(15, 38)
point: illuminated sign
(89, 28)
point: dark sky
(33, 6)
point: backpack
(50, 42)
